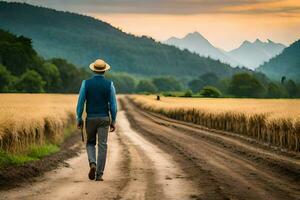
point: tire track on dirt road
(222, 168)
(153, 173)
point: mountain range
(195, 42)
(82, 39)
(249, 54)
(285, 64)
(252, 55)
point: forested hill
(81, 39)
(23, 70)
(285, 64)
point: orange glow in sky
(226, 27)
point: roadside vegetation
(33, 153)
(275, 122)
(34, 125)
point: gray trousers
(97, 127)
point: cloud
(174, 7)
(282, 10)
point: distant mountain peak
(246, 42)
(253, 54)
(258, 41)
(194, 35)
(195, 42)
(173, 38)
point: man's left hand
(80, 124)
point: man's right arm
(80, 103)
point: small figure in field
(98, 96)
(157, 97)
(283, 79)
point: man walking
(100, 97)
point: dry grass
(34, 119)
(274, 121)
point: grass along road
(28, 120)
(273, 121)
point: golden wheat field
(27, 119)
(274, 121)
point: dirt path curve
(136, 169)
(224, 167)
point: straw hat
(99, 66)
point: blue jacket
(100, 97)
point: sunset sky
(225, 23)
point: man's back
(100, 97)
(97, 95)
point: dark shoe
(92, 172)
(99, 178)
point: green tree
(210, 79)
(5, 79)
(51, 75)
(245, 85)
(16, 53)
(224, 85)
(188, 93)
(146, 86)
(262, 78)
(31, 82)
(70, 76)
(274, 91)
(123, 83)
(196, 84)
(210, 91)
(291, 88)
(167, 83)
(203, 80)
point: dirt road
(136, 169)
(151, 157)
(223, 166)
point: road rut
(224, 167)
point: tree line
(250, 85)
(23, 70)
(242, 85)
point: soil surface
(14, 176)
(222, 165)
(152, 157)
